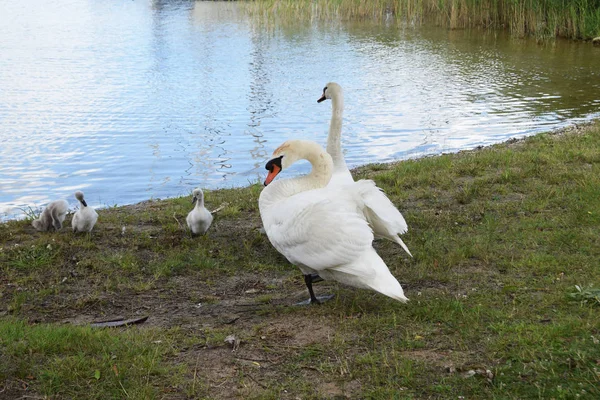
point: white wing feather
(311, 229)
(380, 212)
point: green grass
(543, 19)
(586, 294)
(80, 362)
(504, 279)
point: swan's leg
(309, 279)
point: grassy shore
(542, 19)
(501, 236)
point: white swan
(341, 173)
(199, 219)
(384, 218)
(52, 217)
(85, 218)
(321, 229)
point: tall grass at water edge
(578, 19)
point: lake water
(131, 100)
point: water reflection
(260, 98)
(135, 100)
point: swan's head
(330, 90)
(290, 152)
(274, 167)
(284, 156)
(79, 196)
(197, 195)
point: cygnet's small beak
(84, 203)
(194, 199)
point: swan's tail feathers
(391, 288)
(370, 272)
(383, 281)
(401, 243)
(402, 298)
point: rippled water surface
(131, 100)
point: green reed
(574, 19)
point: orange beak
(272, 174)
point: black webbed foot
(309, 279)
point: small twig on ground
(195, 374)
(24, 384)
(126, 394)
(178, 223)
(260, 359)
(222, 206)
(221, 384)
(257, 382)
(313, 368)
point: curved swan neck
(322, 169)
(334, 144)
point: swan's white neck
(319, 177)
(334, 141)
(199, 202)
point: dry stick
(313, 368)
(126, 394)
(25, 383)
(257, 382)
(222, 206)
(178, 223)
(195, 374)
(260, 359)
(221, 384)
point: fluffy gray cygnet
(52, 217)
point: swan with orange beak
(322, 229)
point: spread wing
(381, 213)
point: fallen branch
(119, 322)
